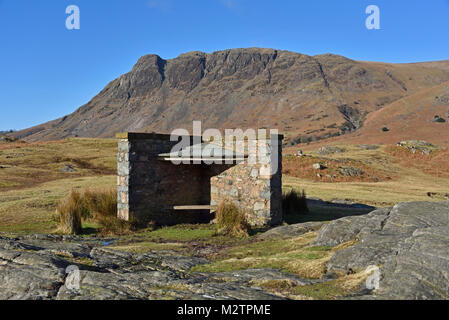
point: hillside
(306, 97)
(412, 117)
(420, 116)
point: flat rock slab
(291, 231)
(409, 243)
(249, 276)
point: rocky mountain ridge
(306, 97)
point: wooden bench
(194, 207)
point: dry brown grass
(435, 164)
(101, 202)
(93, 205)
(316, 268)
(70, 212)
(29, 164)
(231, 221)
(301, 167)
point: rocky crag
(306, 97)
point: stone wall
(252, 187)
(149, 188)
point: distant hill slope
(306, 97)
(420, 116)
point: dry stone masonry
(153, 189)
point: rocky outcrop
(409, 243)
(291, 231)
(52, 267)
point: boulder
(350, 171)
(330, 150)
(368, 146)
(68, 168)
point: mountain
(420, 116)
(305, 97)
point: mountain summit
(306, 97)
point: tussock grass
(98, 206)
(32, 210)
(231, 221)
(70, 211)
(294, 203)
(101, 203)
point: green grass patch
(285, 255)
(329, 290)
(146, 246)
(179, 238)
(7, 184)
(32, 210)
(29, 227)
(322, 291)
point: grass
(382, 194)
(329, 290)
(147, 246)
(322, 213)
(302, 167)
(98, 206)
(31, 186)
(32, 210)
(70, 212)
(179, 233)
(32, 183)
(435, 164)
(101, 208)
(408, 177)
(180, 238)
(30, 164)
(230, 221)
(292, 255)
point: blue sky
(49, 71)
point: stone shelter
(154, 187)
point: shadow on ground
(320, 210)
